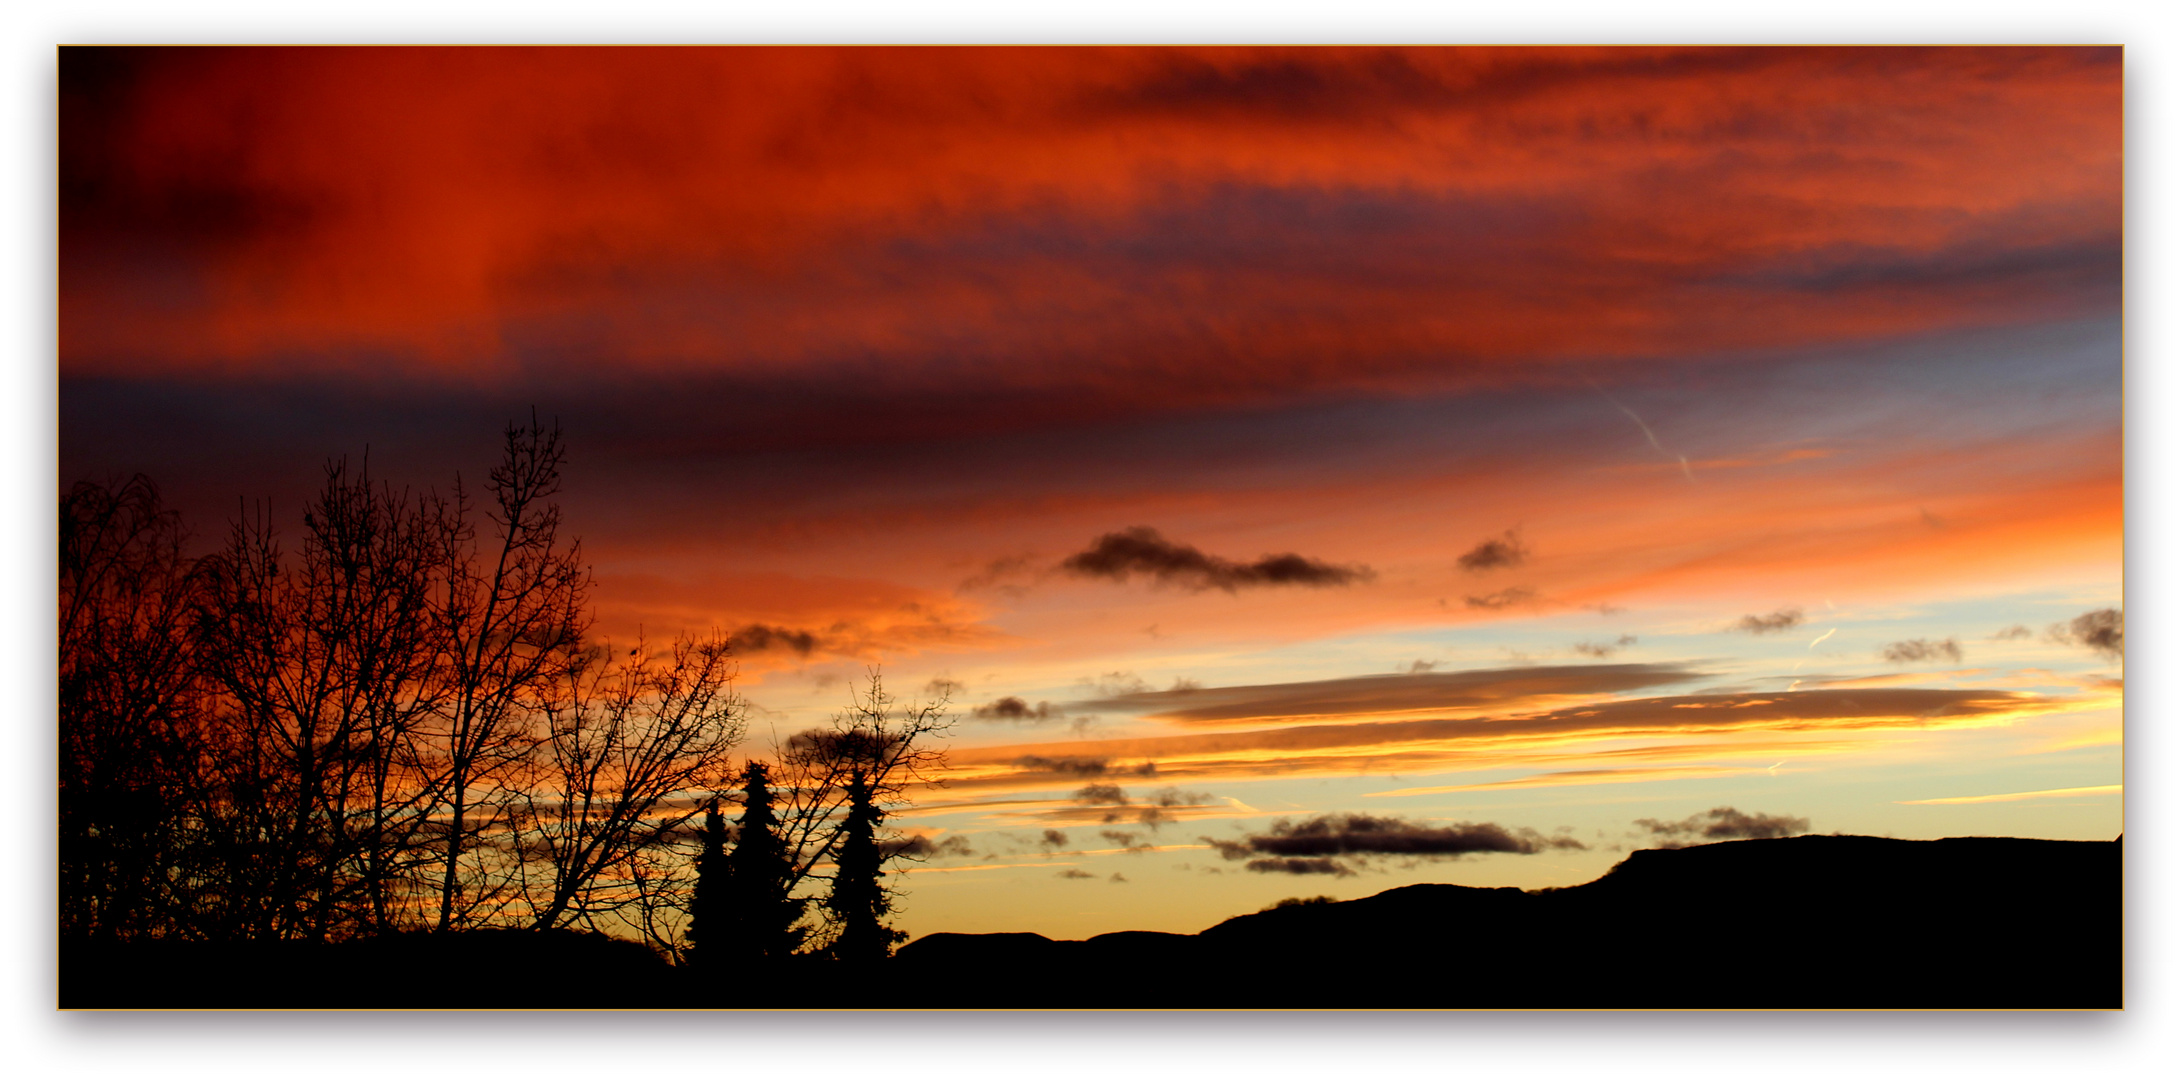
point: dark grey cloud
(1140, 550)
(1366, 86)
(1016, 709)
(1082, 766)
(1173, 797)
(758, 637)
(1495, 553)
(1318, 845)
(1101, 795)
(2080, 265)
(2100, 631)
(1403, 692)
(1778, 622)
(1503, 599)
(1054, 838)
(1072, 872)
(1301, 866)
(1727, 823)
(1922, 651)
(923, 847)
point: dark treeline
(404, 725)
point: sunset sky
(1305, 471)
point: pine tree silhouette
(859, 899)
(757, 911)
(707, 915)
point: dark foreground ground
(1847, 922)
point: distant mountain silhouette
(1840, 922)
(1850, 922)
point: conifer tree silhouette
(708, 902)
(859, 899)
(758, 913)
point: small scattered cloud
(1118, 556)
(943, 689)
(1117, 879)
(1780, 621)
(1921, 651)
(1131, 842)
(2100, 631)
(1495, 553)
(1601, 651)
(2016, 632)
(1418, 667)
(1101, 795)
(1159, 806)
(1016, 710)
(1115, 684)
(1054, 838)
(1503, 599)
(1725, 823)
(1074, 873)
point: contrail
(1639, 421)
(1648, 435)
(1823, 636)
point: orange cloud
(1582, 777)
(1440, 745)
(462, 213)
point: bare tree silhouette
(130, 701)
(513, 609)
(624, 745)
(326, 672)
(399, 725)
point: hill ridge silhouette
(1806, 922)
(1801, 922)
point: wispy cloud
(1582, 777)
(1410, 691)
(1516, 737)
(2016, 796)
